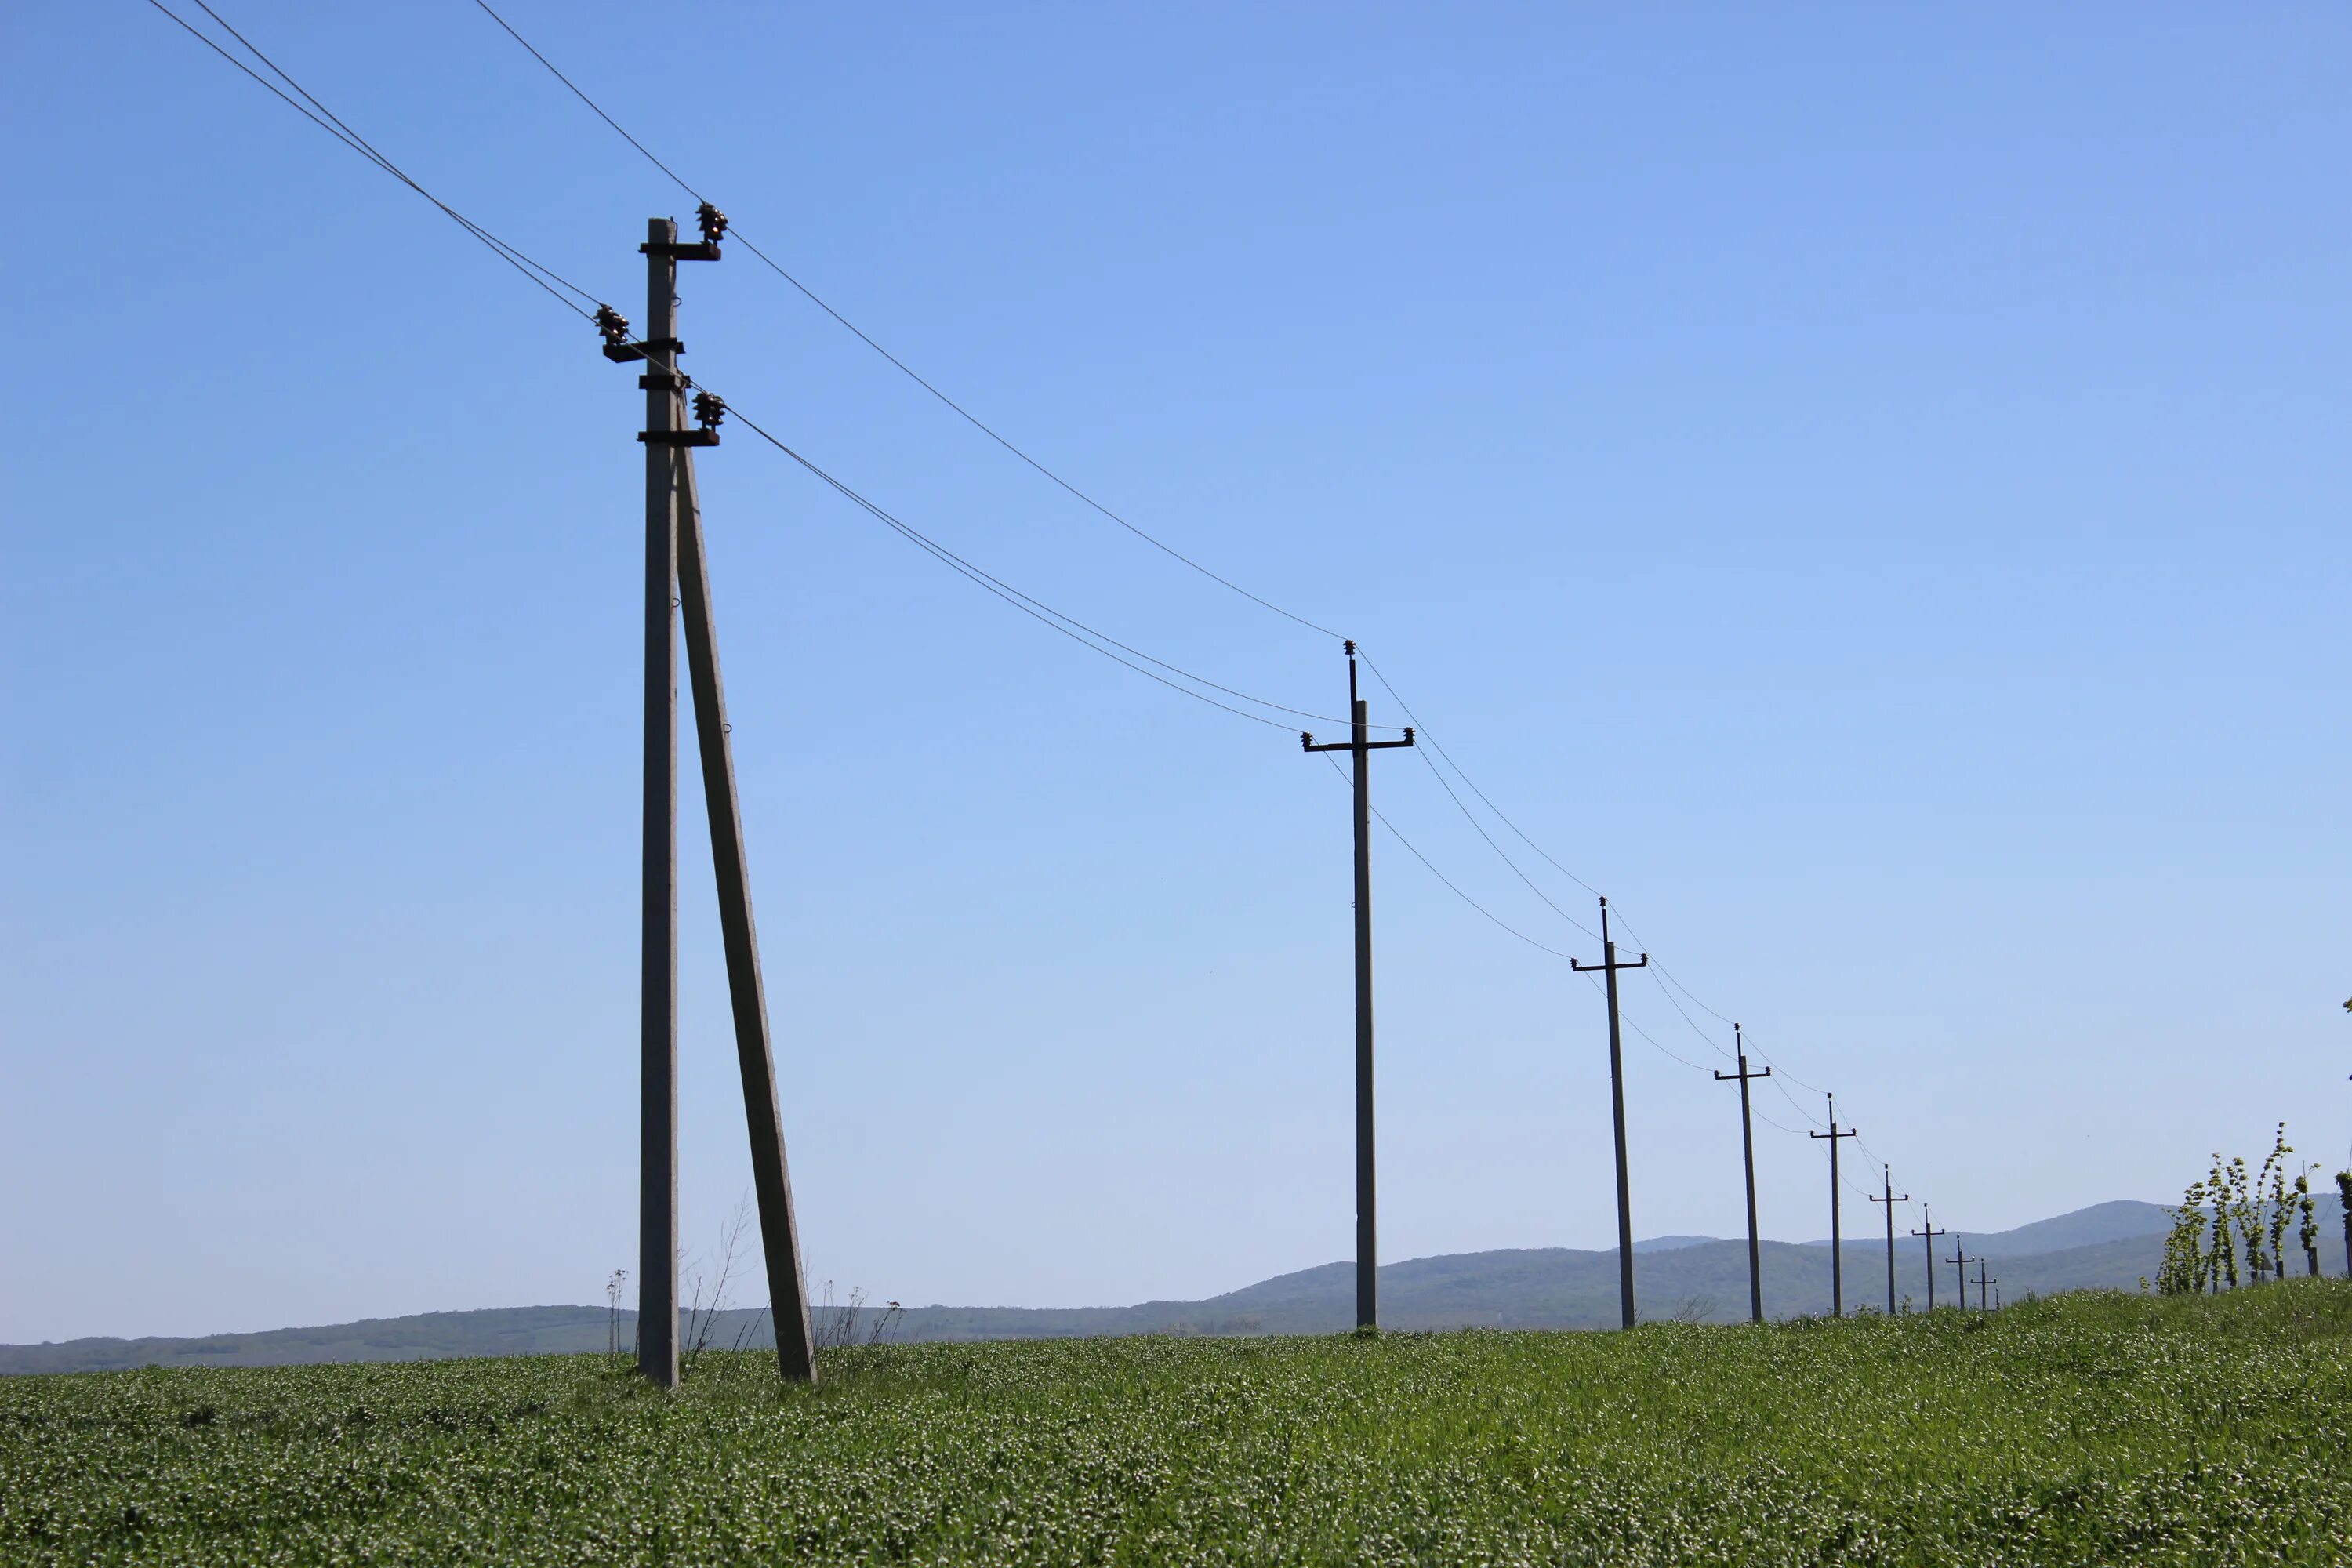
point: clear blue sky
(1864, 485)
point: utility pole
(677, 577)
(1982, 1283)
(1927, 1245)
(1890, 1200)
(1358, 743)
(1748, 1153)
(1960, 1260)
(1837, 1236)
(1610, 966)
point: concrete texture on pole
(657, 996)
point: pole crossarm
(1307, 742)
(1837, 1234)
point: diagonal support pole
(771, 1176)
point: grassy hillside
(2088, 1429)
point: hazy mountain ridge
(2108, 1246)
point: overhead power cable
(326, 119)
(1024, 455)
(1037, 609)
(558, 288)
(319, 114)
(1450, 884)
(976, 422)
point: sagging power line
(1245, 704)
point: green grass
(2096, 1428)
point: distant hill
(1694, 1278)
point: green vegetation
(2246, 1218)
(2089, 1429)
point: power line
(976, 422)
(334, 126)
(1677, 1006)
(1449, 882)
(1481, 794)
(1075, 630)
(1632, 1023)
(555, 285)
(1160, 545)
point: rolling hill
(1697, 1279)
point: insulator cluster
(613, 324)
(709, 408)
(713, 222)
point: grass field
(2094, 1428)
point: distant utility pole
(677, 577)
(1358, 743)
(1960, 1260)
(1982, 1283)
(1748, 1153)
(1928, 1243)
(1609, 965)
(1890, 1200)
(1837, 1236)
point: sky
(1861, 486)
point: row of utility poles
(1359, 746)
(677, 580)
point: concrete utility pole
(1928, 1243)
(1748, 1153)
(1982, 1282)
(1837, 1236)
(657, 958)
(1960, 1260)
(1610, 966)
(678, 576)
(1890, 1200)
(1359, 745)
